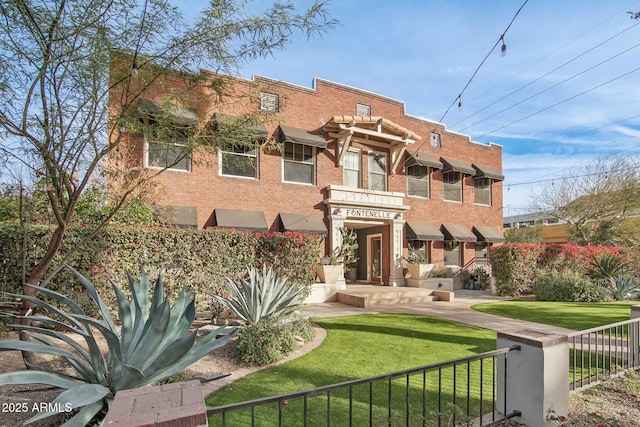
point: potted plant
(340, 259)
(417, 264)
(481, 278)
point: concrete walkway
(458, 311)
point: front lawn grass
(359, 347)
(570, 315)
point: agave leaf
(140, 313)
(78, 364)
(59, 325)
(37, 348)
(130, 377)
(39, 377)
(37, 301)
(58, 297)
(113, 341)
(204, 346)
(152, 336)
(166, 360)
(104, 310)
(85, 415)
(58, 335)
(81, 395)
(158, 296)
(126, 319)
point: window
(269, 102)
(239, 160)
(421, 247)
(418, 181)
(351, 168)
(363, 109)
(299, 163)
(482, 191)
(434, 139)
(452, 255)
(377, 172)
(168, 147)
(452, 186)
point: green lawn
(576, 316)
(359, 347)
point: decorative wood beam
(396, 157)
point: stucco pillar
(536, 378)
(396, 278)
(337, 222)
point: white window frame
(311, 162)
(147, 150)
(413, 178)
(371, 158)
(224, 152)
(485, 189)
(356, 152)
(448, 187)
(269, 102)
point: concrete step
(377, 297)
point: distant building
(335, 156)
(551, 229)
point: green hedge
(567, 286)
(197, 259)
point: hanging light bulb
(134, 69)
(503, 49)
(459, 102)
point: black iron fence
(457, 392)
(601, 353)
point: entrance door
(374, 262)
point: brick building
(334, 156)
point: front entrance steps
(365, 296)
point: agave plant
(152, 343)
(622, 287)
(606, 266)
(261, 295)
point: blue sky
(566, 91)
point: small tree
(598, 201)
(60, 62)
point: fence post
(634, 337)
(535, 379)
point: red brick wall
(310, 109)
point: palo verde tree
(59, 117)
(600, 201)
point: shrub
(514, 267)
(567, 286)
(264, 342)
(622, 287)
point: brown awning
(252, 127)
(301, 136)
(180, 116)
(487, 172)
(423, 231)
(423, 159)
(241, 220)
(457, 166)
(458, 233)
(302, 223)
(182, 216)
(486, 233)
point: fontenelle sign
(368, 213)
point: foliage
(622, 287)
(268, 340)
(346, 253)
(605, 266)
(596, 200)
(567, 286)
(415, 257)
(480, 274)
(261, 296)
(523, 235)
(516, 265)
(152, 343)
(197, 259)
